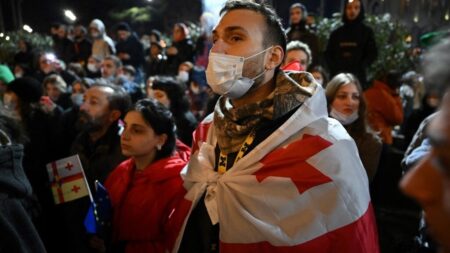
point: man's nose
(219, 46)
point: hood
(360, 17)
(12, 176)
(98, 24)
(302, 22)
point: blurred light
(27, 28)
(69, 14)
(7, 38)
(416, 19)
(149, 1)
(50, 56)
(350, 1)
(447, 16)
(213, 6)
(408, 39)
(1, 34)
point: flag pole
(85, 180)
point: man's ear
(114, 115)
(276, 56)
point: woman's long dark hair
(160, 119)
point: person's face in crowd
(94, 32)
(433, 100)
(295, 15)
(318, 76)
(178, 34)
(184, 67)
(347, 99)
(78, 88)
(297, 55)
(18, 71)
(138, 138)
(429, 181)
(154, 51)
(353, 9)
(47, 63)
(123, 35)
(108, 68)
(78, 32)
(310, 20)
(161, 96)
(52, 91)
(93, 64)
(153, 38)
(95, 112)
(22, 46)
(61, 32)
(240, 33)
(11, 102)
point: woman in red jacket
(145, 189)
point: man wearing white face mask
(269, 171)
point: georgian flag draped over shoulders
(303, 189)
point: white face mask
(224, 74)
(95, 35)
(183, 76)
(18, 74)
(77, 98)
(343, 118)
(91, 67)
(9, 107)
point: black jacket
(185, 53)
(351, 48)
(303, 34)
(134, 48)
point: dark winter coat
(303, 34)
(351, 48)
(134, 48)
(18, 233)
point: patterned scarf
(233, 125)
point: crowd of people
(249, 139)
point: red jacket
(142, 202)
(384, 109)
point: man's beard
(86, 123)
(258, 69)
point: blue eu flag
(99, 215)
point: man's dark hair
(274, 34)
(119, 100)
(435, 67)
(160, 119)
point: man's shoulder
(324, 128)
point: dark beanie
(123, 26)
(28, 89)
